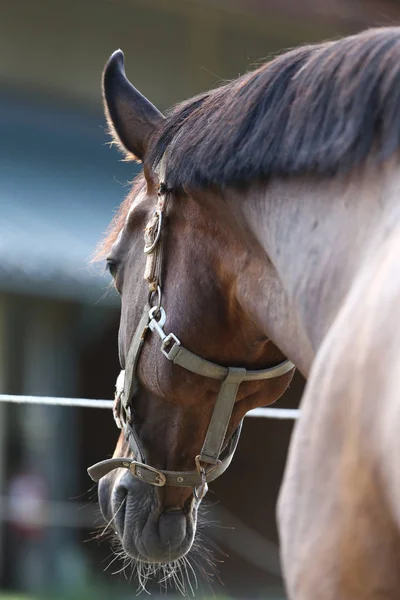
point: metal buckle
(201, 471)
(156, 309)
(201, 490)
(157, 324)
(149, 249)
(117, 412)
(122, 414)
(171, 353)
(211, 467)
(161, 479)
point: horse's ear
(131, 117)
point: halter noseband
(209, 464)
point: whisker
(121, 569)
(116, 557)
(177, 582)
(180, 575)
(167, 574)
(184, 562)
(143, 576)
(113, 517)
(189, 564)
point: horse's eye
(112, 267)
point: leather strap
(125, 386)
(186, 359)
(160, 477)
(221, 416)
(133, 356)
(154, 476)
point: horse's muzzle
(147, 530)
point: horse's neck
(318, 235)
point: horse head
(189, 279)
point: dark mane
(318, 109)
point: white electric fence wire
(268, 413)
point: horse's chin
(147, 531)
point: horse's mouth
(147, 532)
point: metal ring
(153, 313)
(160, 479)
(200, 491)
(200, 470)
(149, 249)
(151, 298)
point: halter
(214, 458)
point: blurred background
(60, 184)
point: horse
(263, 233)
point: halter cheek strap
(215, 456)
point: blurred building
(59, 185)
